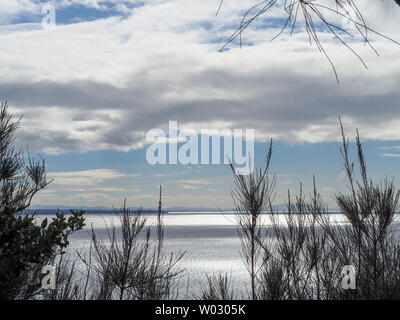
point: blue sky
(129, 175)
(110, 71)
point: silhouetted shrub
(304, 250)
(133, 266)
(24, 245)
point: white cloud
(391, 155)
(341, 176)
(10, 9)
(104, 84)
(87, 177)
(188, 187)
(194, 181)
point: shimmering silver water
(209, 240)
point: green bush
(24, 245)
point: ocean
(209, 241)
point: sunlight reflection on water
(209, 240)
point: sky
(91, 88)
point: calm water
(209, 241)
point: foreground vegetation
(300, 258)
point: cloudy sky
(110, 71)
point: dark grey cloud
(274, 100)
(37, 141)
